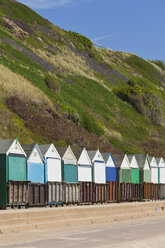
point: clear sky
(136, 26)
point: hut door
(54, 170)
(17, 168)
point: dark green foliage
(52, 83)
(144, 100)
(81, 42)
(74, 116)
(90, 124)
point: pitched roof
(157, 160)
(44, 149)
(91, 154)
(28, 148)
(105, 156)
(61, 150)
(150, 159)
(130, 157)
(118, 159)
(140, 158)
(5, 145)
(77, 153)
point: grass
(144, 68)
(23, 13)
(12, 84)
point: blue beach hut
(35, 164)
(111, 170)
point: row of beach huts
(40, 175)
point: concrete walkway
(141, 233)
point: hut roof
(105, 156)
(130, 157)
(28, 148)
(44, 148)
(77, 153)
(91, 154)
(140, 158)
(118, 159)
(61, 150)
(5, 145)
(157, 160)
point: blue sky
(136, 26)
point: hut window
(35, 154)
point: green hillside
(56, 86)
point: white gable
(146, 165)
(52, 152)
(153, 162)
(16, 148)
(125, 163)
(161, 163)
(84, 158)
(134, 163)
(110, 162)
(69, 155)
(98, 157)
(35, 156)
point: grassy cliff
(55, 86)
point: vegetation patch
(143, 99)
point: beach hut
(111, 170)
(161, 170)
(35, 163)
(69, 165)
(12, 166)
(154, 177)
(154, 170)
(123, 167)
(53, 171)
(146, 188)
(98, 167)
(84, 165)
(161, 177)
(135, 175)
(144, 167)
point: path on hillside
(141, 233)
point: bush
(144, 100)
(52, 83)
(74, 116)
(91, 125)
(81, 42)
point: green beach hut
(12, 166)
(123, 168)
(69, 165)
(135, 175)
(144, 168)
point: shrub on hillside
(52, 83)
(81, 42)
(144, 100)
